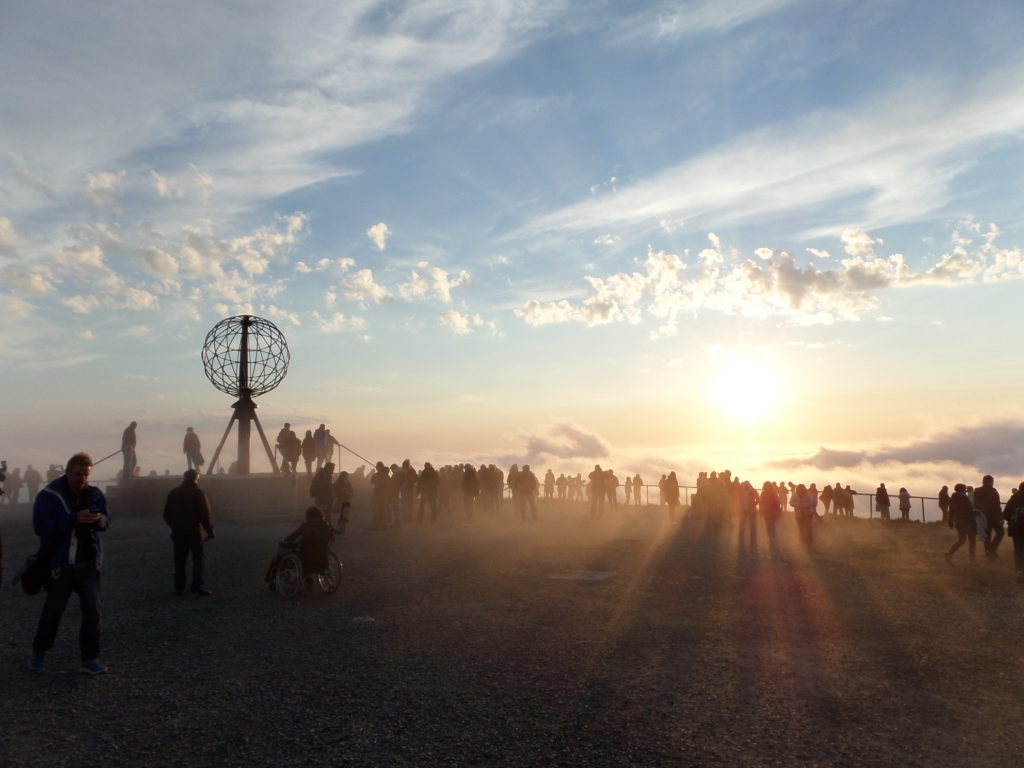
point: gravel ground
(453, 645)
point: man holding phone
(68, 516)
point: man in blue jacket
(68, 516)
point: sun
(747, 391)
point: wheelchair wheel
(330, 580)
(289, 576)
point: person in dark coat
(882, 502)
(1014, 516)
(322, 488)
(987, 502)
(961, 517)
(313, 540)
(187, 512)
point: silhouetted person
(1014, 516)
(611, 489)
(426, 487)
(986, 501)
(528, 488)
(638, 486)
(804, 505)
(313, 539)
(128, 451)
(748, 516)
(882, 503)
(671, 494)
(549, 484)
(192, 449)
(187, 512)
(561, 485)
(380, 498)
(596, 491)
(68, 517)
(470, 490)
(13, 486)
(309, 452)
(290, 448)
(343, 494)
(32, 480)
(904, 496)
(322, 488)
(961, 518)
(944, 504)
(770, 507)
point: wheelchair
(285, 574)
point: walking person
(187, 513)
(961, 518)
(68, 517)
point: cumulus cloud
(436, 281)
(337, 321)
(103, 187)
(165, 186)
(363, 289)
(563, 440)
(775, 283)
(379, 234)
(462, 324)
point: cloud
(994, 447)
(774, 284)
(695, 19)
(852, 155)
(166, 187)
(363, 289)
(379, 234)
(337, 321)
(437, 281)
(103, 187)
(563, 440)
(463, 324)
(8, 238)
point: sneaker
(38, 662)
(202, 592)
(92, 667)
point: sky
(777, 236)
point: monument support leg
(266, 443)
(216, 454)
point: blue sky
(656, 235)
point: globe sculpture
(245, 357)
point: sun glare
(747, 391)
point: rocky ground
(656, 644)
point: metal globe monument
(245, 356)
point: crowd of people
(69, 515)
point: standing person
(596, 491)
(771, 510)
(549, 484)
(322, 489)
(470, 490)
(1014, 516)
(128, 451)
(192, 449)
(961, 517)
(343, 494)
(826, 498)
(904, 504)
(68, 517)
(670, 493)
(285, 440)
(309, 452)
(320, 439)
(986, 501)
(381, 482)
(803, 505)
(426, 487)
(562, 484)
(638, 485)
(528, 488)
(748, 501)
(882, 503)
(32, 480)
(944, 504)
(187, 513)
